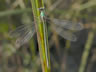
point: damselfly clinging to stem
(25, 32)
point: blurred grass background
(65, 56)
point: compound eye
(42, 8)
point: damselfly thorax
(42, 13)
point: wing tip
(80, 27)
(74, 40)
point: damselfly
(25, 32)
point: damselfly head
(41, 8)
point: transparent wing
(19, 31)
(66, 34)
(24, 39)
(23, 34)
(68, 24)
(61, 24)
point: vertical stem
(86, 52)
(41, 30)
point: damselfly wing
(25, 32)
(68, 24)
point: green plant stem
(12, 12)
(41, 30)
(89, 4)
(86, 52)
